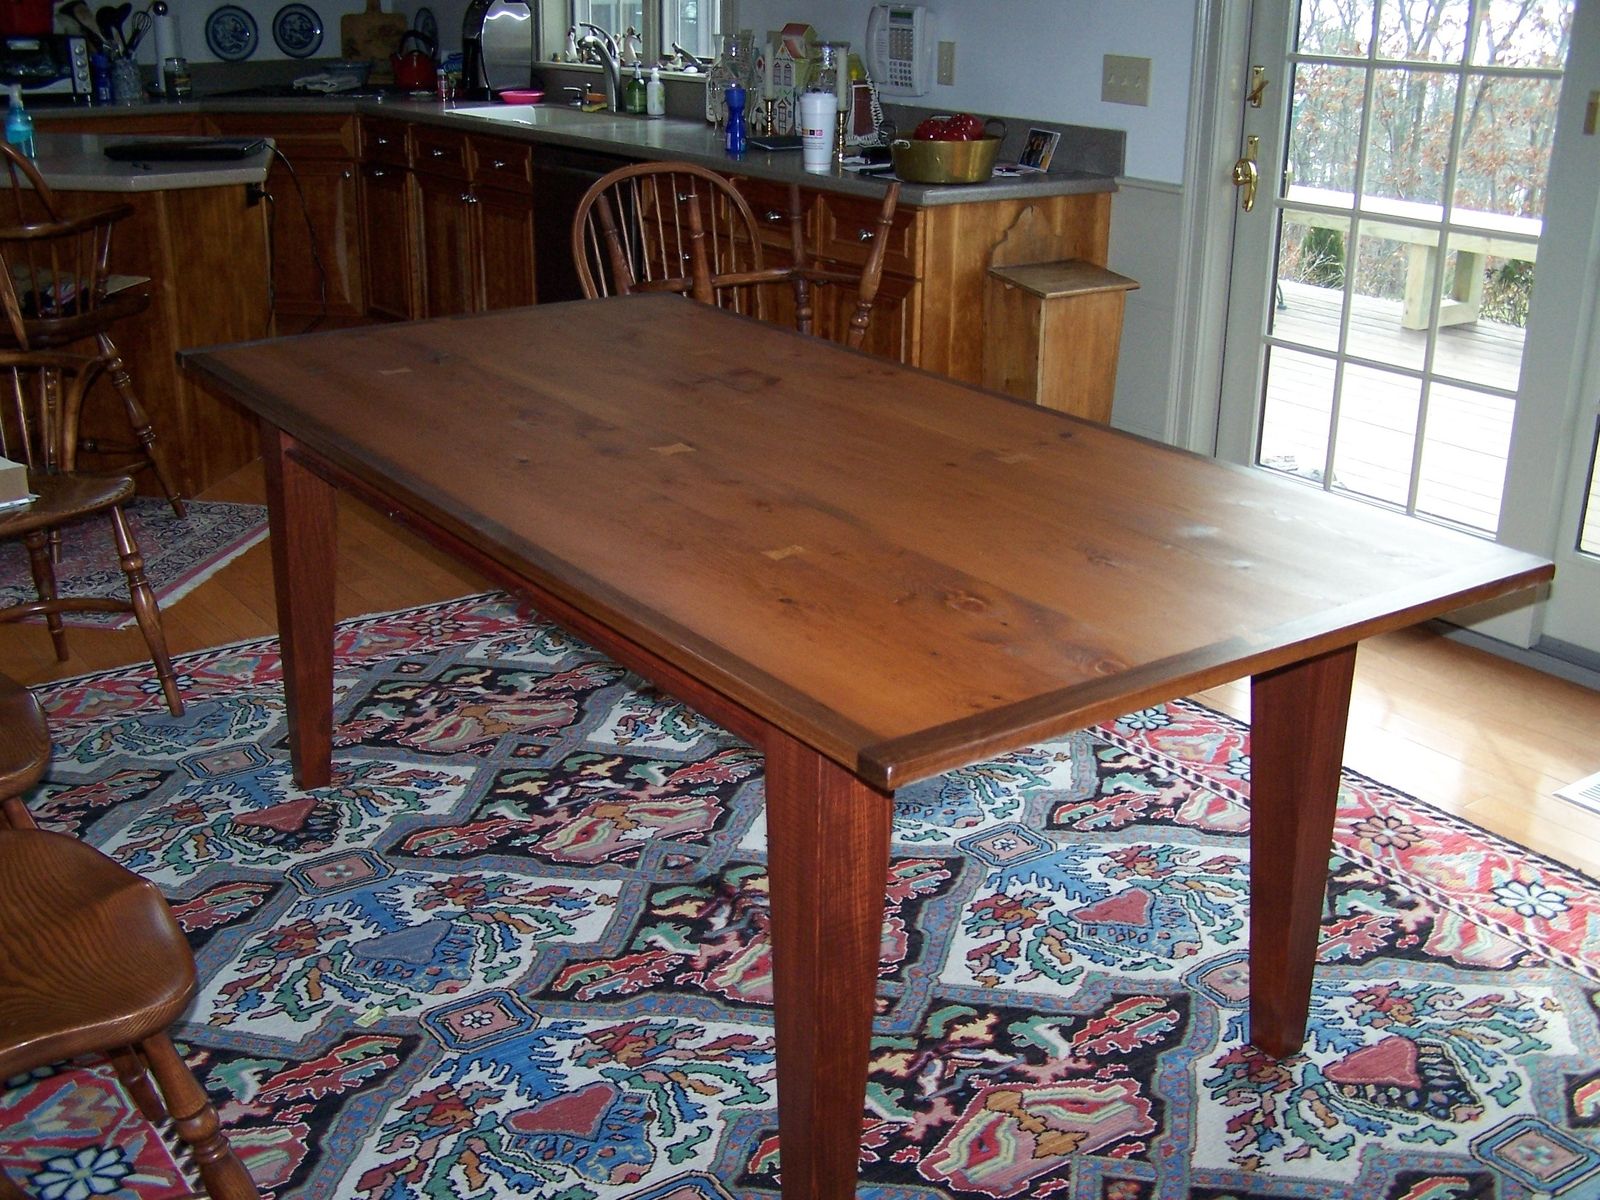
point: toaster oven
(49, 64)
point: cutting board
(372, 35)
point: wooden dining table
(872, 573)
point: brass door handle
(1245, 173)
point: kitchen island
(198, 231)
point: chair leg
(133, 1074)
(44, 582)
(10, 1191)
(16, 814)
(139, 421)
(145, 610)
(196, 1121)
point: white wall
(1040, 58)
(192, 16)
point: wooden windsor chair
(91, 961)
(677, 227)
(41, 396)
(66, 293)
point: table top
(903, 571)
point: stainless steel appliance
(497, 47)
(51, 64)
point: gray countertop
(609, 133)
(76, 162)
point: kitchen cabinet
(315, 215)
(561, 175)
(388, 221)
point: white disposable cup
(818, 112)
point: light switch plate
(947, 63)
(1125, 80)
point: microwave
(49, 64)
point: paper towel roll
(166, 31)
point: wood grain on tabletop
(1005, 575)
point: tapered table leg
(828, 863)
(1297, 725)
(301, 514)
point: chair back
(57, 287)
(31, 198)
(671, 227)
(41, 402)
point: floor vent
(1585, 793)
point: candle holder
(767, 125)
(843, 124)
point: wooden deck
(1467, 434)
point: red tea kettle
(414, 69)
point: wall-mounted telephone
(900, 49)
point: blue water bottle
(733, 97)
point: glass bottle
(736, 64)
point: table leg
(1297, 726)
(828, 863)
(301, 514)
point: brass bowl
(944, 162)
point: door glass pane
(1534, 33)
(1423, 30)
(1296, 418)
(1488, 349)
(1325, 131)
(1388, 320)
(1376, 434)
(1509, 127)
(1310, 281)
(1464, 451)
(1335, 27)
(1589, 532)
(1413, 116)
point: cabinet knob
(499, 164)
(380, 141)
(772, 216)
(437, 152)
(346, 173)
(376, 173)
(866, 235)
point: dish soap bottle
(19, 125)
(637, 100)
(655, 93)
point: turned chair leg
(196, 1122)
(44, 582)
(133, 1073)
(139, 421)
(16, 814)
(145, 610)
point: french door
(1407, 251)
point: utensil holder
(127, 86)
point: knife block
(373, 35)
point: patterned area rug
(179, 554)
(520, 950)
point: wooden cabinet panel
(444, 211)
(847, 225)
(501, 163)
(387, 222)
(504, 232)
(315, 214)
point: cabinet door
(504, 247)
(894, 329)
(386, 223)
(316, 247)
(449, 275)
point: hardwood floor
(1471, 732)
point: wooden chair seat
(64, 498)
(24, 750)
(92, 961)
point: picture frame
(1039, 149)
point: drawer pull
(437, 152)
(866, 235)
(377, 173)
(499, 164)
(772, 216)
(380, 141)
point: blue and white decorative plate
(231, 33)
(427, 25)
(298, 30)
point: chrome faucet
(598, 46)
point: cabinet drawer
(846, 226)
(499, 163)
(439, 151)
(770, 203)
(384, 141)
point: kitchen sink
(537, 115)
